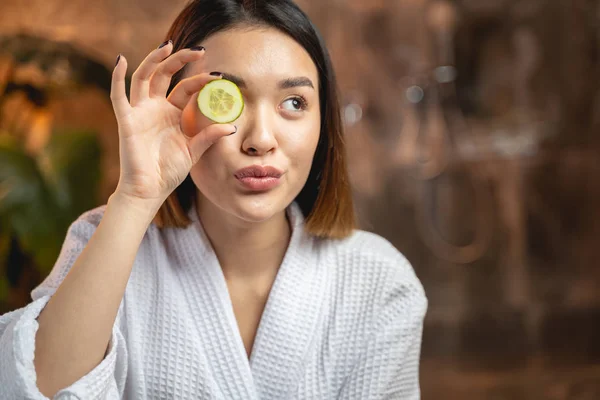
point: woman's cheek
(306, 138)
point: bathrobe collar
(292, 314)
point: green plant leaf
(27, 204)
(40, 198)
(71, 165)
(4, 289)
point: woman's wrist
(134, 207)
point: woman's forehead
(256, 54)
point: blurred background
(472, 129)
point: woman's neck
(248, 252)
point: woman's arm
(76, 324)
(18, 330)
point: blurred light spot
(60, 72)
(445, 74)
(352, 114)
(415, 94)
(468, 149)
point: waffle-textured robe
(343, 320)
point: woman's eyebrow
(295, 82)
(235, 79)
(283, 84)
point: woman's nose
(258, 132)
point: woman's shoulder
(91, 217)
(83, 227)
(370, 251)
(370, 265)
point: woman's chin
(257, 209)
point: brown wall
(499, 218)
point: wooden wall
(473, 142)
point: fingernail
(216, 73)
(233, 131)
(118, 59)
(197, 48)
(165, 43)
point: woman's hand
(155, 154)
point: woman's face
(279, 126)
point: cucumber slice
(221, 101)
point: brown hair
(326, 198)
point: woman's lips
(258, 177)
(259, 183)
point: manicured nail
(215, 73)
(118, 59)
(197, 48)
(165, 43)
(233, 131)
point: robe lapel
(217, 326)
(287, 327)
(291, 316)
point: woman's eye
(294, 104)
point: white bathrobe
(343, 321)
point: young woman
(226, 265)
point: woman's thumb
(207, 137)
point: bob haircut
(326, 198)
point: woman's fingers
(198, 144)
(118, 97)
(161, 79)
(140, 80)
(186, 88)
